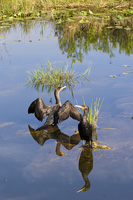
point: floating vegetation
(43, 39)
(53, 77)
(114, 75)
(17, 40)
(8, 43)
(30, 7)
(128, 72)
(97, 146)
(126, 65)
(59, 21)
(118, 27)
(127, 28)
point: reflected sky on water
(29, 170)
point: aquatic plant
(94, 110)
(34, 7)
(53, 77)
(20, 8)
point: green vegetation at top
(78, 25)
(22, 8)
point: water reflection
(53, 132)
(75, 39)
(85, 167)
(86, 156)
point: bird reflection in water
(86, 166)
(53, 132)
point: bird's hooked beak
(82, 189)
(79, 106)
(62, 88)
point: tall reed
(94, 110)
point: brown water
(31, 165)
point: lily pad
(110, 27)
(128, 72)
(17, 40)
(126, 65)
(81, 21)
(9, 43)
(114, 75)
(119, 17)
(127, 28)
(59, 21)
(70, 20)
(50, 36)
(84, 21)
(42, 39)
(118, 27)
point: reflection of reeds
(53, 77)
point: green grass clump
(94, 110)
(22, 8)
(53, 77)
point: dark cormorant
(61, 113)
(84, 127)
(41, 110)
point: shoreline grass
(34, 7)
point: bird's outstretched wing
(39, 108)
(67, 110)
(31, 108)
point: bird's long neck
(57, 98)
(87, 184)
(85, 116)
(86, 180)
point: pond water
(31, 165)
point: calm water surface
(31, 165)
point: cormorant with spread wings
(62, 113)
(41, 110)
